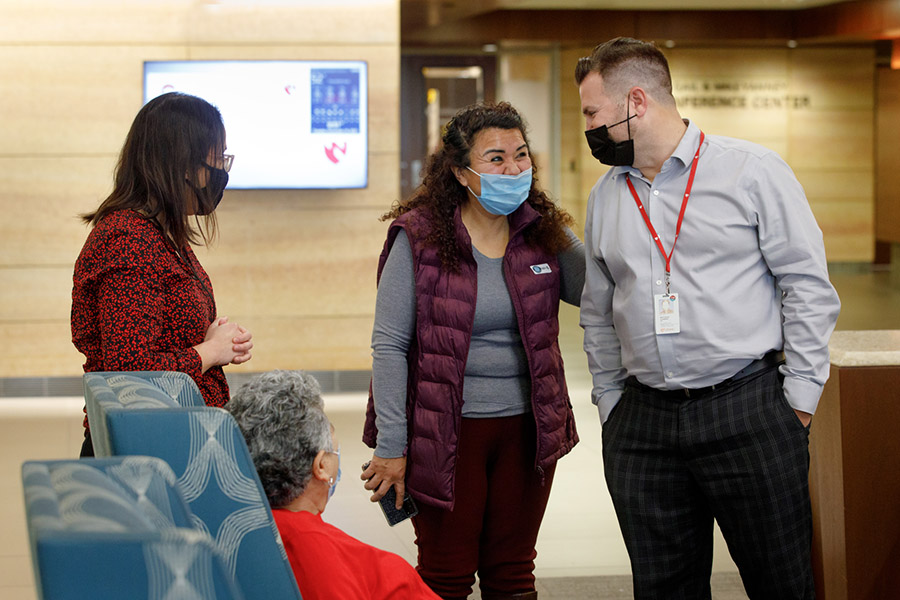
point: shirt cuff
(195, 364)
(391, 443)
(802, 394)
(607, 402)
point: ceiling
(454, 23)
(635, 4)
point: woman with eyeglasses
(141, 301)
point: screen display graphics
(289, 124)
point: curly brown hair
(440, 193)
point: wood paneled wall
(814, 106)
(887, 134)
(296, 267)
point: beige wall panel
(30, 294)
(72, 76)
(64, 100)
(570, 189)
(45, 349)
(340, 343)
(191, 21)
(834, 184)
(326, 289)
(383, 80)
(40, 199)
(530, 66)
(832, 139)
(375, 53)
(847, 224)
(591, 170)
(344, 22)
(291, 261)
(315, 344)
(849, 92)
(571, 138)
(729, 63)
(39, 349)
(61, 100)
(94, 21)
(842, 62)
(572, 142)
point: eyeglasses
(227, 161)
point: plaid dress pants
(738, 455)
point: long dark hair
(169, 142)
(441, 193)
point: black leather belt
(772, 359)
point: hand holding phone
(380, 472)
(388, 504)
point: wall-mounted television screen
(290, 124)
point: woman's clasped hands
(225, 343)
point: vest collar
(521, 218)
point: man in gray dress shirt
(708, 355)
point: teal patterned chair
(207, 452)
(117, 528)
(111, 391)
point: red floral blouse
(136, 306)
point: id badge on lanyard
(666, 307)
(665, 314)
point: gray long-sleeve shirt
(496, 380)
(749, 269)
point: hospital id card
(665, 314)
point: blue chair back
(209, 456)
(109, 391)
(117, 528)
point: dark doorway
(432, 90)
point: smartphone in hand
(388, 504)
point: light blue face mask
(336, 480)
(503, 194)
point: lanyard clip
(667, 281)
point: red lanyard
(687, 194)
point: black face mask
(604, 149)
(210, 196)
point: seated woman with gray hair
(298, 458)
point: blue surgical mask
(503, 194)
(338, 478)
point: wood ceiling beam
(857, 21)
(580, 27)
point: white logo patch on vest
(541, 269)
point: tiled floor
(579, 541)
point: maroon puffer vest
(445, 313)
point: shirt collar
(688, 144)
(684, 152)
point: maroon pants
(492, 529)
